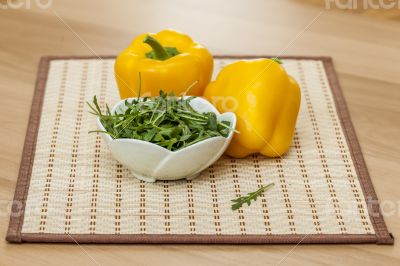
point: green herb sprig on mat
(238, 203)
(167, 121)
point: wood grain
(360, 7)
(365, 51)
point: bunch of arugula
(166, 120)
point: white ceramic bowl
(150, 162)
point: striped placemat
(70, 189)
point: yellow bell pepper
(266, 101)
(168, 61)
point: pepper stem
(160, 53)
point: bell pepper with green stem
(168, 61)
(266, 101)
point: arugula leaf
(165, 120)
(238, 203)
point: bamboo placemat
(71, 190)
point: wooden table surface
(365, 50)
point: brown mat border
(14, 235)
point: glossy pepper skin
(164, 69)
(266, 101)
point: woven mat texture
(76, 187)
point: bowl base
(149, 179)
